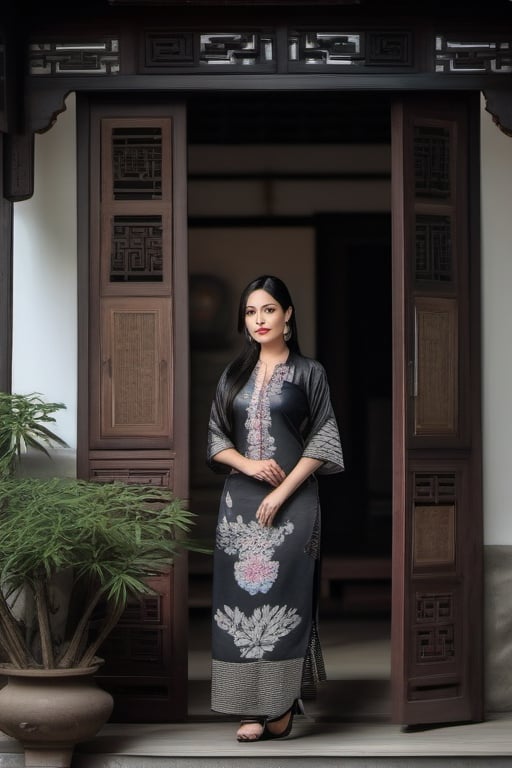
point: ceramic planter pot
(50, 710)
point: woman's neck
(277, 353)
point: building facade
(182, 147)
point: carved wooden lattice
(136, 249)
(473, 56)
(436, 644)
(434, 489)
(433, 608)
(99, 57)
(434, 257)
(432, 161)
(137, 163)
(245, 48)
(349, 49)
(306, 48)
(215, 50)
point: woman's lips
(262, 331)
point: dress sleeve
(322, 440)
(218, 440)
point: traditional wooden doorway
(436, 625)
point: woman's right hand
(266, 470)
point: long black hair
(242, 366)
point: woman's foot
(250, 729)
(277, 728)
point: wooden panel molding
(436, 360)
(433, 536)
(136, 380)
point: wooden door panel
(437, 509)
(136, 369)
(135, 355)
(436, 383)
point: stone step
(311, 744)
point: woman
(271, 428)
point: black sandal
(296, 709)
(252, 721)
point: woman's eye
(249, 312)
(270, 310)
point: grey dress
(265, 649)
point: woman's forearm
(301, 471)
(231, 458)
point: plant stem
(12, 638)
(43, 620)
(69, 658)
(110, 623)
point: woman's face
(265, 318)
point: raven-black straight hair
(242, 366)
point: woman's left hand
(269, 507)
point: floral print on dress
(260, 443)
(255, 571)
(257, 634)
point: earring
(287, 332)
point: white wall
(45, 268)
(496, 169)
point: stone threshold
(343, 744)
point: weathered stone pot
(50, 710)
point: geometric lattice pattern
(325, 48)
(432, 161)
(350, 49)
(133, 644)
(95, 58)
(170, 48)
(391, 48)
(434, 608)
(226, 49)
(136, 254)
(145, 611)
(435, 644)
(137, 163)
(166, 48)
(433, 253)
(434, 489)
(473, 56)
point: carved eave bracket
(498, 102)
(45, 104)
(42, 109)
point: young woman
(271, 428)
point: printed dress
(265, 648)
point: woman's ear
(288, 314)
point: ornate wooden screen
(437, 573)
(138, 371)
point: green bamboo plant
(111, 537)
(23, 425)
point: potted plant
(106, 539)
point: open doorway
(299, 186)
